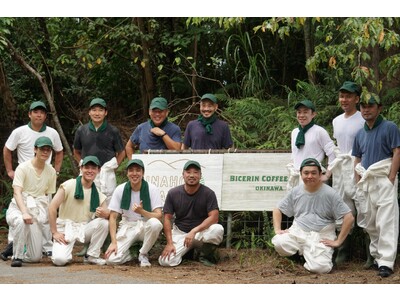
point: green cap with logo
(43, 141)
(351, 87)
(138, 162)
(310, 162)
(210, 97)
(36, 105)
(370, 98)
(307, 103)
(159, 102)
(191, 163)
(91, 159)
(98, 101)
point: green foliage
(257, 124)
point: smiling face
(158, 116)
(348, 102)
(311, 177)
(90, 171)
(208, 108)
(97, 114)
(135, 175)
(192, 176)
(370, 112)
(305, 115)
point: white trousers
(28, 235)
(318, 257)
(212, 235)
(93, 233)
(132, 232)
(381, 211)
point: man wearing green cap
(208, 131)
(191, 215)
(377, 160)
(315, 207)
(139, 203)
(308, 140)
(82, 216)
(345, 128)
(157, 133)
(34, 181)
(103, 140)
(22, 140)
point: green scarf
(301, 139)
(100, 129)
(162, 124)
(94, 197)
(40, 130)
(378, 121)
(207, 122)
(144, 196)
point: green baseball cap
(310, 162)
(92, 159)
(37, 104)
(138, 162)
(351, 87)
(209, 97)
(159, 102)
(43, 141)
(192, 163)
(98, 101)
(370, 98)
(307, 103)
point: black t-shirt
(190, 210)
(103, 144)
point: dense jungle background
(258, 68)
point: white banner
(241, 181)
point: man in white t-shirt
(22, 140)
(139, 203)
(308, 140)
(345, 128)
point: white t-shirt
(130, 215)
(345, 130)
(23, 139)
(317, 144)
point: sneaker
(7, 252)
(144, 260)
(16, 262)
(385, 271)
(94, 260)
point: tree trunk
(194, 77)
(308, 43)
(10, 110)
(148, 82)
(21, 61)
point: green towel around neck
(378, 121)
(301, 139)
(94, 196)
(40, 130)
(100, 129)
(161, 125)
(144, 196)
(207, 122)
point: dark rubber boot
(8, 251)
(209, 254)
(370, 263)
(344, 251)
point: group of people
(91, 207)
(364, 167)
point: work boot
(208, 254)
(370, 263)
(343, 252)
(7, 252)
